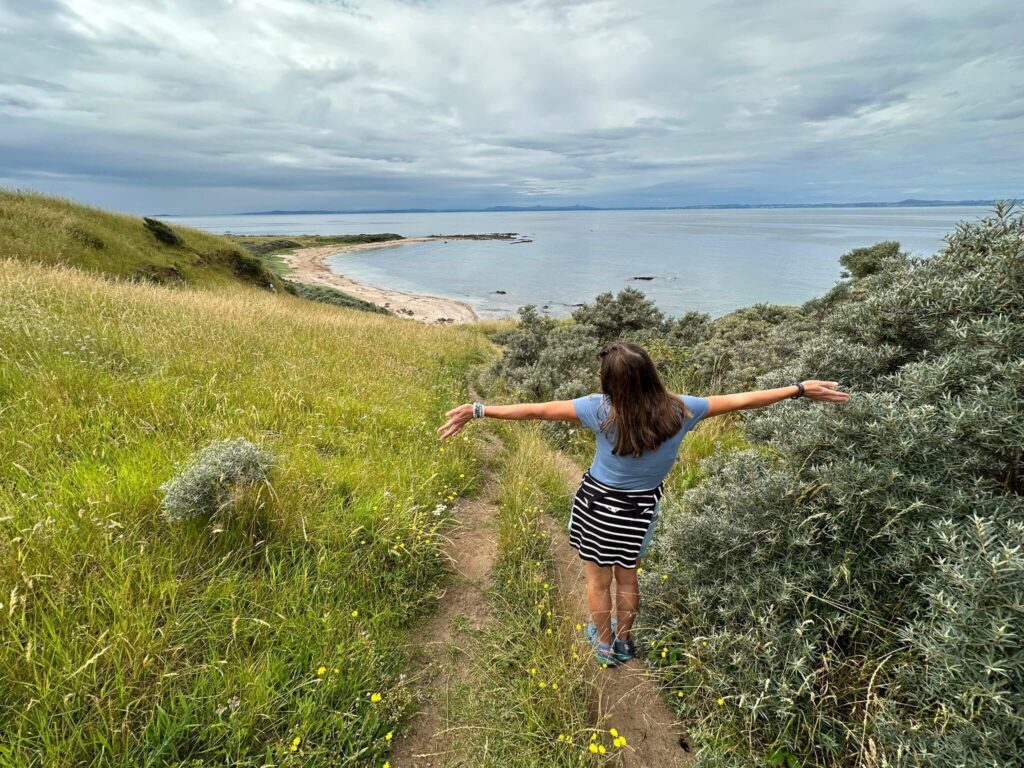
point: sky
(215, 106)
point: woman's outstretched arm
(556, 410)
(825, 391)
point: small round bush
(213, 477)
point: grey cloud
(454, 102)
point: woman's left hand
(457, 419)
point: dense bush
(325, 294)
(545, 359)
(854, 596)
(848, 592)
(212, 477)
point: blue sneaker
(591, 631)
(624, 650)
(604, 655)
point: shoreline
(308, 265)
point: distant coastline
(910, 203)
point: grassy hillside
(260, 635)
(53, 231)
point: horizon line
(906, 203)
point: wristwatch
(800, 391)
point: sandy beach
(308, 266)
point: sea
(712, 261)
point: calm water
(711, 261)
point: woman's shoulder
(591, 409)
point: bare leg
(599, 598)
(627, 599)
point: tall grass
(249, 640)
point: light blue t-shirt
(633, 472)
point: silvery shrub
(853, 595)
(207, 483)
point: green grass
(129, 641)
(53, 231)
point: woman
(639, 427)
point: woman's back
(633, 472)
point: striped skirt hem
(608, 525)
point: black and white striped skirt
(608, 525)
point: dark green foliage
(612, 316)
(162, 232)
(248, 268)
(327, 295)
(267, 245)
(260, 247)
(861, 262)
(854, 597)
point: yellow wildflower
(561, 737)
(664, 652)
(388, 736)
(593, 748)
(579, 627)
(721, 702)
(664, 577)
(593, 737)
(601, 749)
(375, 697)
(614, 733)
(355, 614)
(321, 671)
(548, 630)
(679, 694)
(542, 684)
(533, 670)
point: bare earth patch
(472, 550)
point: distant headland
(910, 203)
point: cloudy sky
(193, 106)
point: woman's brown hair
(643, 412)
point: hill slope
(254, 636)
(53, 231)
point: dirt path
(629, 698)
(463, 608)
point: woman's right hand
(824, 391)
